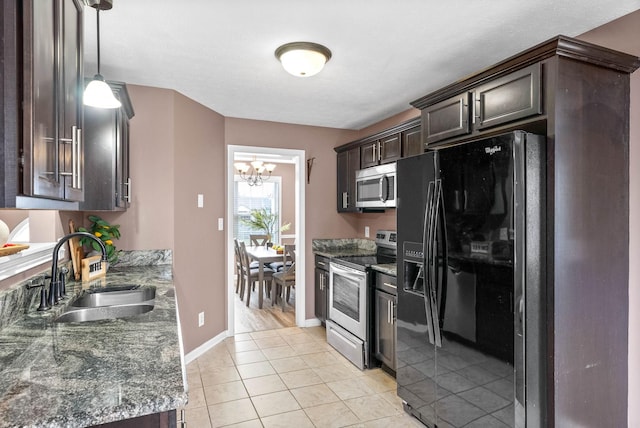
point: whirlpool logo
(492, 150)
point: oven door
(348, 299)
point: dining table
(263, 255)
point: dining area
(265, 282)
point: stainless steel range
(348, 324)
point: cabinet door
(52, 92)
(446, 119)
(70, 99)
(384, 341)
(390, 148)
(41, 172)
(510, 98)
(369, 154)
(322, 281)
(348, 164)
(412, 142)
(122, 178)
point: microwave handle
(384, 188)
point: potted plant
(263, 220)
(105, 232)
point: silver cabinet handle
(379, 150)
(390, 285)
(74, 162)
(322, 263)
(79, 157)
(388, 311)
(373, 149)
(345, 199)
(128, 186)
(183, 419)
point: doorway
(297, 159)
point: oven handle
(347, 271)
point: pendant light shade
(98, 93)
(303, 59)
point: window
(247, 198)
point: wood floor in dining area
(249, 319)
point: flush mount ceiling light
(98, 93)
(256, 176)
(303, 59)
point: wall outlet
(200, 200)
(366, 231)
(200, 319)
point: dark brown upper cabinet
(384, 150)
(348, 164)
(446, 119)
(106, 135)
(510, 98)
(384, 147)
(42, 104)
(412, 142)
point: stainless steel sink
(113, 297)
(103, 313)
(109, 303)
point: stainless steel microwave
(376, 186)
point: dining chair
(239, 275)
(279, 265)
(282, 282)
(258, 240)
(252, 274)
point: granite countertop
(350, 247)
(388, 268)
(343, 247)
(82, 374)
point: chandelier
(254, 174)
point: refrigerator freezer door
(415, 355)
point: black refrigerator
(470, 221)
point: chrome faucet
(56, 287)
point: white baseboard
(313, 322)
(200, 350)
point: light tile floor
(288, 377)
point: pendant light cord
(98, 31)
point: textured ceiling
(385, 53)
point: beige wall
(287, 172)
(199, 248)
(623, 35)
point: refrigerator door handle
(433, 261)
(426, 252)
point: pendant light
(98, 93)
(303, 59)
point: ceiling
(385, 53)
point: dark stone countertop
(82, 374)
(388, 268)
(350, 247)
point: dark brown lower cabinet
(384, 335)
(157, 420)
(322, 288)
